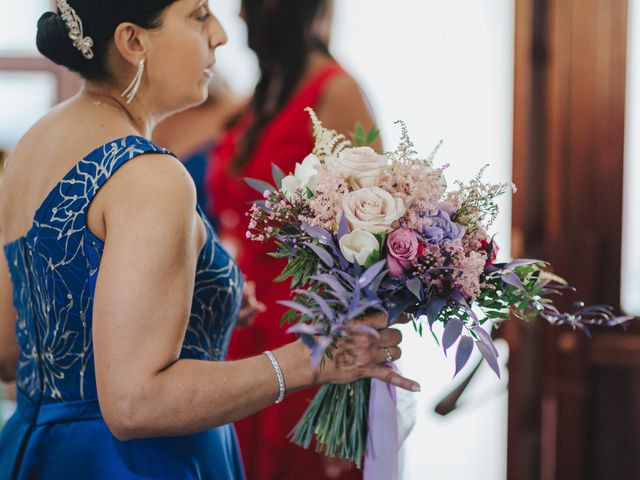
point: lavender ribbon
(381, 459)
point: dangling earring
(132, 89)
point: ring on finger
(388, 353)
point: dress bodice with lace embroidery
(54, 268)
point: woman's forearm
(192, 395)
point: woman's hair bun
(54, 43)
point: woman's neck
(137, 113)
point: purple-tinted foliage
(452, 331)
(298, 307)
(305, 328)
(484, 337)
(371, 273)
(465, 347)
(435, 305)
(327, 311)
(348, 278)
(457, 296)
(520, 262)
(319, 233)
(336, 288)
(343, 227)
(322, 254)
(489, 355)
(415, 286)
(512, 279)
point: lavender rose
(403, 247)
(442, 228)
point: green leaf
(372, 258)
(279, 254)
(372, 135)
(382, 238)
(359, 136)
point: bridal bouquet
(366, 231)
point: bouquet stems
(337, 419)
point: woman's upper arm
(343, 104)
(145, 283)
(8, 315)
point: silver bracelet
(279, 375)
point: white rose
(289, 186)
(306, 172)
(372, 209)
(362, 164)
(358, 245)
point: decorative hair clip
(74, 25)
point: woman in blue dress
(116, 298)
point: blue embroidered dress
(58, 431)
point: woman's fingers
(388, 354)
(403, 318)
(390, 337)
(367, 349)
(377, 320)
(390, 376)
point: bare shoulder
(343, 103)
(341, 87)
(153, 179)
(152, 191)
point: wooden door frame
(559, 157)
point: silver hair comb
(74, 26)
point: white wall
(631, 230)
(446, 69)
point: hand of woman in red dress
(250, 305)
(335, 467)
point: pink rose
(403, 247)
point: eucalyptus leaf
(415, 286)
(371, 273)
(489, 356)
(297, 306)
(465, 347)
(278, 175)
(322, 254)
(259, 185)
(435, 305)
(512, 279)
(343, 226)
(452, 331)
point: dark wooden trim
(568, 165)
(523, 451)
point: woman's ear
(131, 42)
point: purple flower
(403, 246)
(441, 228)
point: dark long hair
(99, 20)
(280, 33)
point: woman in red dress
(290, 38)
